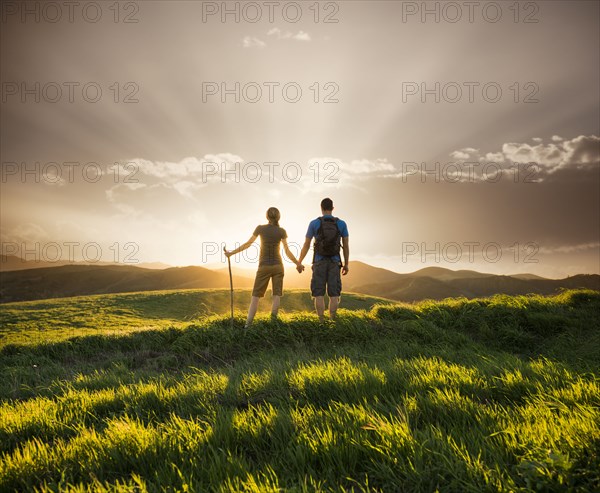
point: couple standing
(330, 234)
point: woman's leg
(252, 310)
(260, 286)
(277, 284)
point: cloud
(187, 188)
(464, 153)
(117, 195)
(577, 153)
(301, 36)
(583, 150)
(459, 155)
(151, 179)
(252, 42)
(174, 170)
(279, 34)
(581, 247)
(326, 172)
(357, 168)
(547, 155)
(191, 174)
(364, 167)
(494, 157)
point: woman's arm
(241, 248)
(289, 253)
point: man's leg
(317, 287)
(320, 307)
(275, 305)
(334, 302)
(334, 288)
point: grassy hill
(113, 314)
(496, 394)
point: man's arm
(305, 249)
(346, 250)
(241, 248)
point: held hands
(299, 268)
(227, 254)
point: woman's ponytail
(273, 216)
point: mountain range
(12, 262)
(428, 283)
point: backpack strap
(320, 219)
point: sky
(448, 134)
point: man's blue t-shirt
(313, 227)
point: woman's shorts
(264, 274)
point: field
(155, 392)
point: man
(327, 231)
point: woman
(270, 265)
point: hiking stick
(230, 287)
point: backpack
(328, 238)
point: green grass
(115, 314)
(498, 394)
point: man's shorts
(326, 272)
(264, 274)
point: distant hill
(361, 274)
(74, 280)
(153, 265)
(526, 276)
(430, 282)
(237, 271)
(442, 274)
(416, 288)
(12, 262)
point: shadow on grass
(405, 424)
(564, 328)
